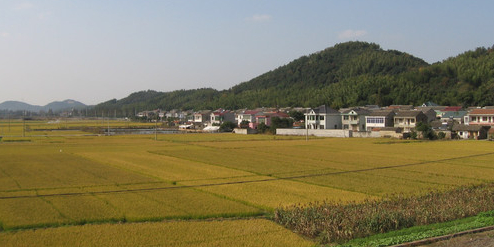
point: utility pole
(156, 128)
(306, 126)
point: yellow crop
(255, 232)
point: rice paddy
(206, 183)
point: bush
(227, 126)
(262, 128)
(441, 135)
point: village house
(219, 116)
(201, 117)
(148, 114)
(409, 119)
(471, 131)
(265, 117)
(431, 114)
(323, 117)
(249, 116)
(354, 119)
(377, 120)
(480, 117)
(454, 116)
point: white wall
(314, 132)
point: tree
(426, 130)
(244, 124)
(277, 122)
(262, 128)
(296, 115)
(227, 126)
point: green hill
(348, 74)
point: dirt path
(483, 239)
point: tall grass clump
(337, 222)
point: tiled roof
(324, 110)
(482, 112)
(251, 112)
(453, 108)
(408, 113)
(462, 127)
(359, 111)
(382, 113)
(454, 114)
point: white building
(322, 117)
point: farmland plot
(80, 180)
(248, 232)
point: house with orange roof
(483, 117)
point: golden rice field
(218, 188)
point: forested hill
(348, 74)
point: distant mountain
(19, 106)
(54, 106)
(348, 74)
(64, 105)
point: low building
(267, 116)
(477, 132)
(455, 116)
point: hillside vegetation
(348, 74)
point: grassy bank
(422, 232)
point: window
(321, 118)
(345, 126)
(474, 119)
(484, 119)
(321, 126)
(345, 117)
(375, 120)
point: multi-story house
(354, 119)
(219, 116)
(480, 117)
(377, 120)
(409, 119)
(202, 117)
(247, 115)
(323, 117)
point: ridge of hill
(347, 74)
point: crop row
(337, 222)
(126, 206)
(249, 232)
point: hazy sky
(96, 50)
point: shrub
(441, 135)
(227, 126)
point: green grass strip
(423, 232)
